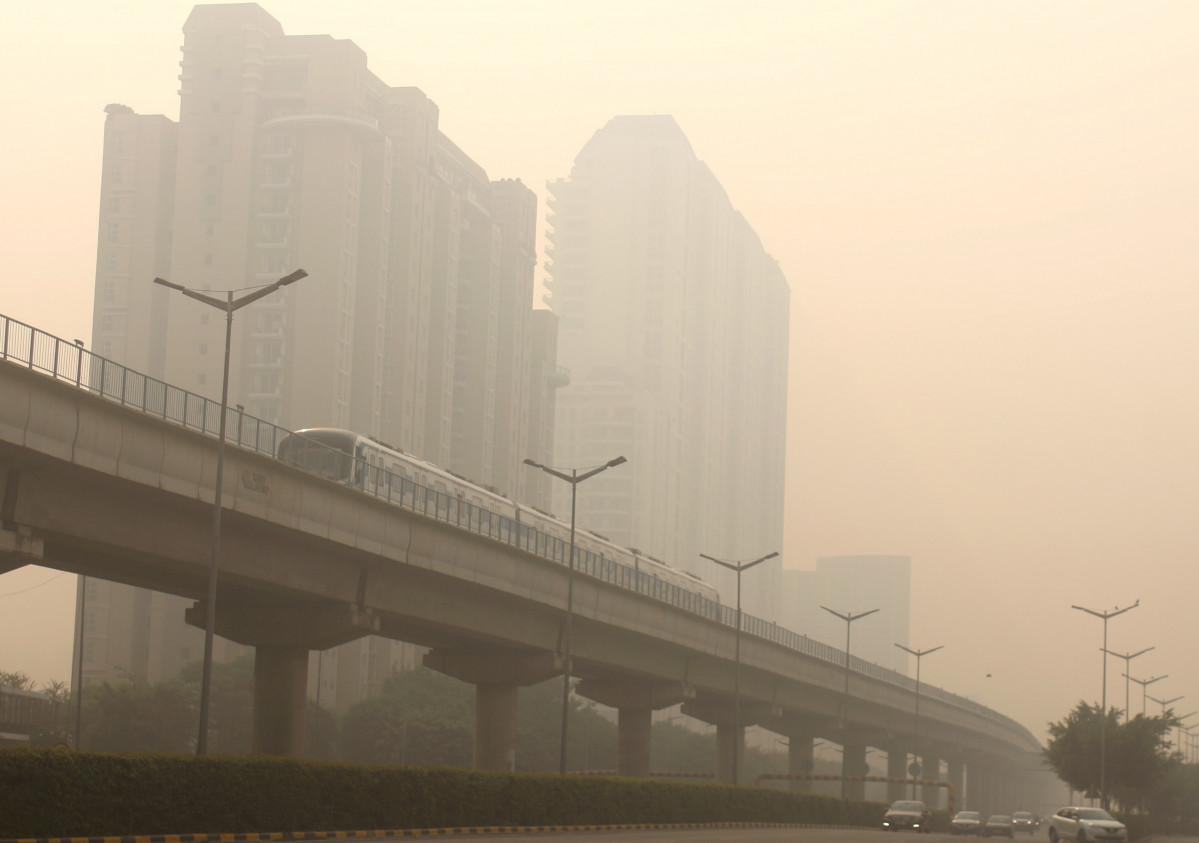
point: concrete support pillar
(854, 765)
(280, 701)
(932, 794)
(282, 637)
(980, 785)
(801, 760)
(897, 770)
(495, 727)
(635, 703)
(634, 729)
(729, 740)
(957, 785)
(496, 675)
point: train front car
(324, 451)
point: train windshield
(327, 460)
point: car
(907, 813)
(1086, 825)
(966, 822)
(999, 825)
(1025, 821)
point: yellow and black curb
(262, 837)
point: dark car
(1025, 821)
(907, 813)
(966, 822)
(999, 825)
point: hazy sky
(987, 212)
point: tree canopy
(1137, 753)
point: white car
(1086, 825)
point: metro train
(384, 471)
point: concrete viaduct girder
(95, 488)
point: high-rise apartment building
(415, 324)
(674, 325)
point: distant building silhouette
(852, 584)
(415, 325)
(675, 329)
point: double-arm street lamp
(738, 567)
(1105, 616)
(574, 478)
(1145, 683)
(919, 654)
(849, 618)
(228, 304)
(1164, 703)
(1128, 657)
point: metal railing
(26, 346)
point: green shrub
(62, 793)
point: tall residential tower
(415, 324)
(675, 330)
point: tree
(1137, 753)
(16, 680)
(135, 716)
(418, 717)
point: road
(731, 835)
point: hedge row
(62, 793)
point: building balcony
(316, 117)
(556, 377)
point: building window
(89, 652)
(89, 622)
(116, 174)
(110, 262)
(213, 140)
(210, 229)
(201, 379)
(114, 232)
(208, 259)
(93, 588)
(114, 204)
(203, 348)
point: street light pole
(849, 618)
(1145, 683)
(919, 654)
(1128, 657)
(1179, 725)
(738, 567)
(574, 479)
(1164, 703)
(1106, 616)
(228, 305)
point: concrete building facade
(415, 324)
(674, 325)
